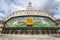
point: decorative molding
(30, 11)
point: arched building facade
(30, 21)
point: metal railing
(29, 30)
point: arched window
(34, 21)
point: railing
(29, 30)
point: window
(35, 22)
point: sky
(9, 6)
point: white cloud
(38, 3)
(1, 19)
(22, 4)
(35, 3)
(16, 7)
(57, 16)
(57, 0)
(3, 5)
(2, 15)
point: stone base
(27, 37)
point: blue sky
(9, 6)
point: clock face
(29, 21)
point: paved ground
(28, 37)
